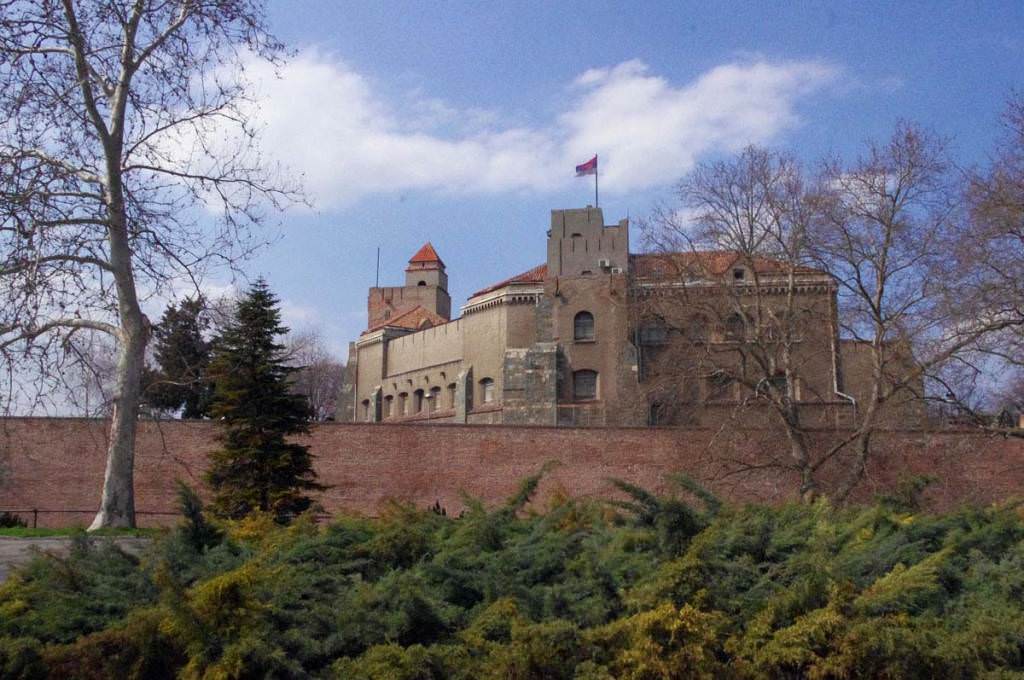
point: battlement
(581, 244)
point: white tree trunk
(117, 506)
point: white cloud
(326, 121)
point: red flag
(588, 168)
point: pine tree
(256, 468)
(183, 356)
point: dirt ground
(17, 551)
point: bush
(655, 588)
(9, 521)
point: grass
(27, 532)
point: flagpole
(597, 204)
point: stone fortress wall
(56, 464)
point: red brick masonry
(57, 464)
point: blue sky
(460, 122)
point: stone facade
(571, 342)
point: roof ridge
(391, 321)
(426, 253)
(533, 275)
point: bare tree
(890, 234)
(992, 264)
(116, 180)
(90, 379)
(320, 373)
(742, 300)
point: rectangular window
(653, 333)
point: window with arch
(656, 413)
(435, 398)
(417, 401)
(486, 390)
(389, 402)
(583, 327)
(422, 283)
(403, 404)
(736, 328)
(584, 385)
(451, 395)
(366, 410)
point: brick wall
(57, 464)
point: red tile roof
(535, 275)
(706, 263)
(415, 319)
(653, 265)
(425, 254)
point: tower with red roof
(423, 299)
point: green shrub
(10, 520)
(649, 587)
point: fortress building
(598, 336)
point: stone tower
(579, 244)
(426, 285)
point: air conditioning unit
(616, 270)
(604, 264)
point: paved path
(17, 551)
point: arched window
(584, 385)
(486, 390)
(366, 410)
(388, 404)
(736, 328)
(417, 401)
(435, 399)
(451, 395)
(422, 283)
(656, 413)
(403, 404)
(583, 327)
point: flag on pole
(588, 168)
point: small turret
(426, 269)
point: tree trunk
(857, 468)
(117, 506)
(801, 458)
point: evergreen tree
(183, 357)
(256, 468)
